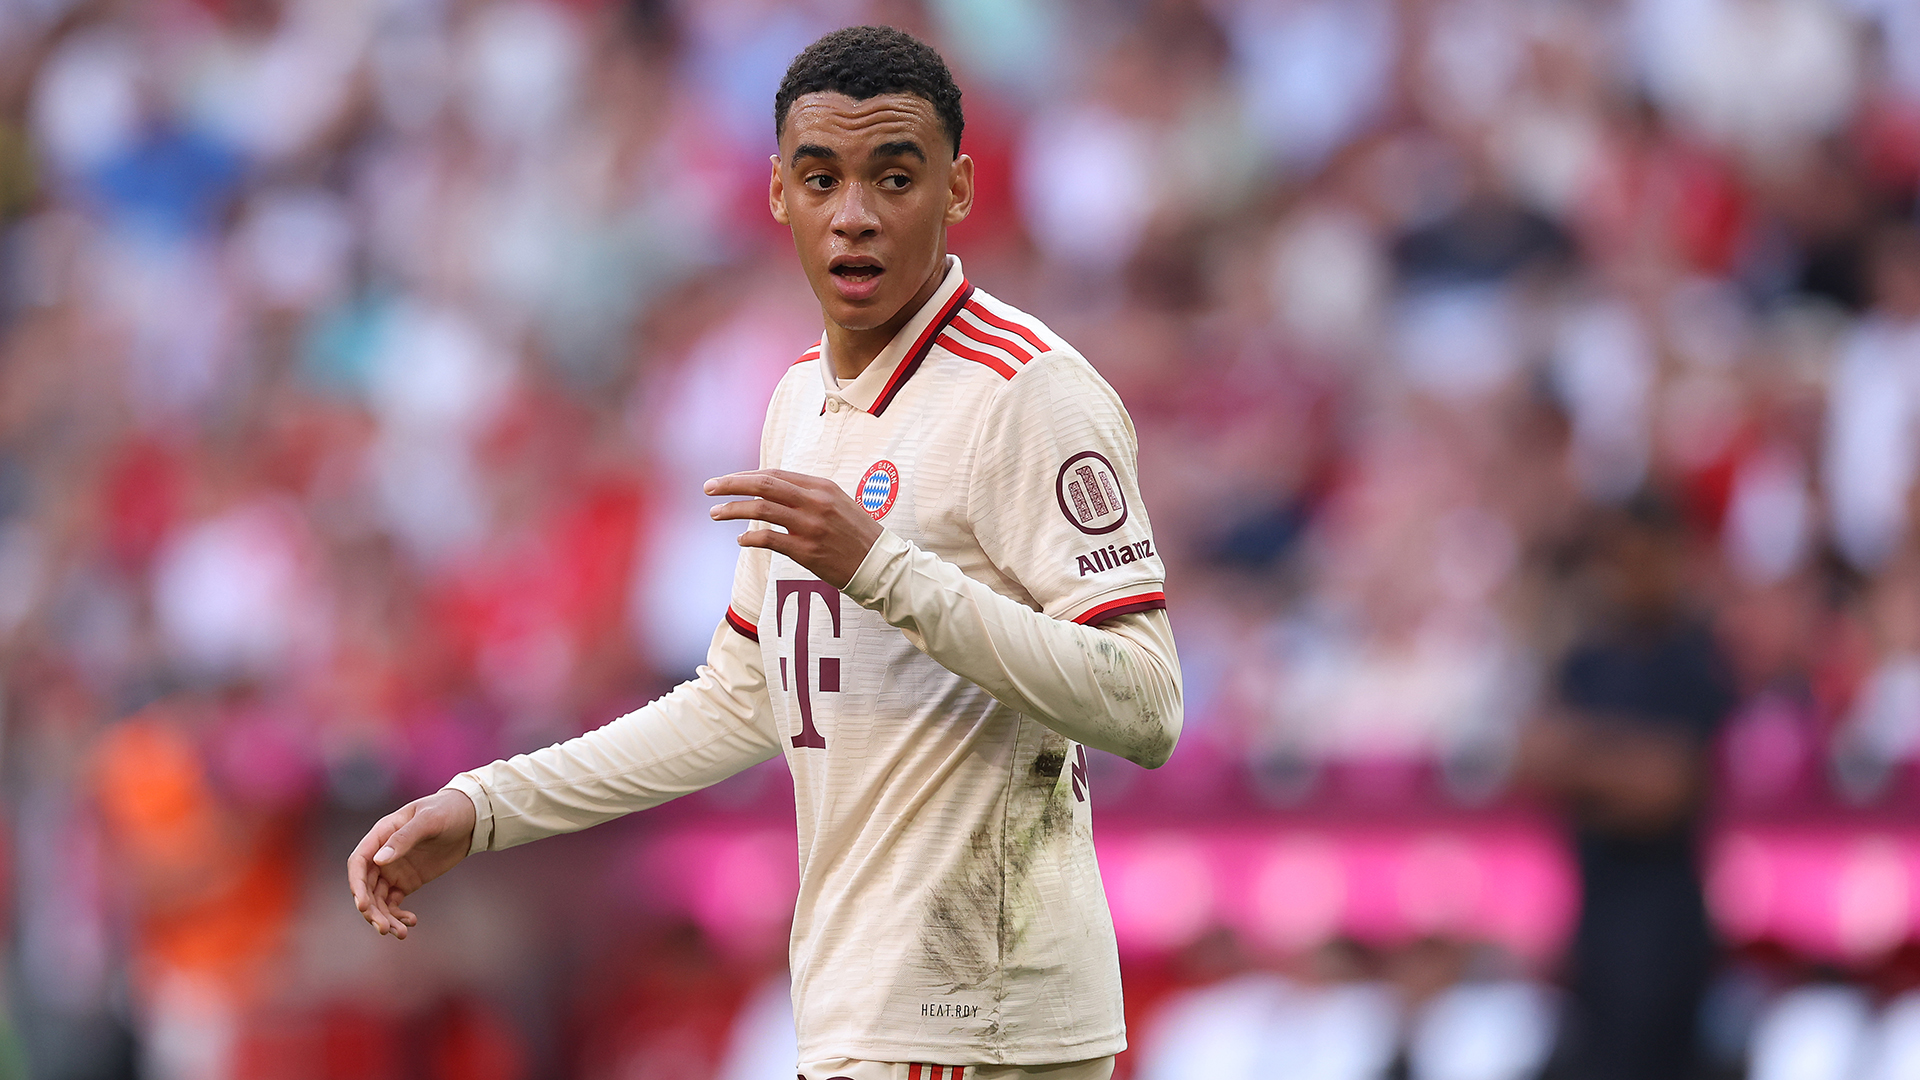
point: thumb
(400, 842)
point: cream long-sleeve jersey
(934, 712)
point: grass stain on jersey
(991, 887)
(960, 907)
(1116, 670)
(1049, 762)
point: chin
(864, 315)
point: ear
(960, 190)
(777, 194)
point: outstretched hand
(405, 850)
(826, 531)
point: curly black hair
(866, 61)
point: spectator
(1635, 703)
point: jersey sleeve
(749, 590)
(1055, 499)
(701, 732)
(698, 734)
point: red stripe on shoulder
(1013, 347)
(976, 308)
(745, 628)
(810, 354)
(911, 363)
(953, 346)
(1126, 605)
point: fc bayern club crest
(878, 489)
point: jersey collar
(876, 387)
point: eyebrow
(898, 148)
(902, 148)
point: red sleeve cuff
(1125, 605)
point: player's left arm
(1097, 662)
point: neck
(852, 350)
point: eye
(819, 182)
(895, 181)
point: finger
(772, 513)
(740, 483)
(377, 900)
(356, 881)
(365, 904)
(360, 869)
(817, 490)
(797, 479)
(382, 908)
(402, 919)
(411, 831)
(783, 543)
(370, 879)
(397, 890)
(761, 483)
(376, 909)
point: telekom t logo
(829, 665)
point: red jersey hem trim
(743, 627)
(1126, 605)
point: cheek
(811, 222)
(919, 220)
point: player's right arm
(701, 732)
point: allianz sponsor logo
(1106, 558)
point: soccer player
(950, 589)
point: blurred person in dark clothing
(1634, 703)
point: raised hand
(405, 850)
(826, 531)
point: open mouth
(855, 269)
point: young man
(950, 590)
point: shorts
(843, 1069)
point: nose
(854, 217)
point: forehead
(833, 119)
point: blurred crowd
(1528, 395)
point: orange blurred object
(213, 891)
